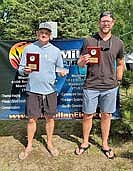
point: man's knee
(87, 116)
(106, 115)
(32, 120)
(49, 118)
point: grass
(67, 136)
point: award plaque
(33, 61)
(95, 53)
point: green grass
(67, 135)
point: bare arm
(120, 68)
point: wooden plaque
(95, 53)
(33, 61)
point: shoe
(108, 153)
(81, 149)
(24, 154)
(53, 151)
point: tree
(76, 18)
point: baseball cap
(45, 25)
(107, 13)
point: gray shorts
(106, 100)
(38, 105)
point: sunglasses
(106, 48)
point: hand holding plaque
(32, 61)
(95, 53)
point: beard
(105, 30)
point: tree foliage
(76, 18)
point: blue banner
(69, 88)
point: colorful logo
(16, 52)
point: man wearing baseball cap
(38, 62)
(101, 85)
(46, 26)
(107, 13)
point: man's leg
(107, 103)
(49, 130)
(89, 105)
(105, 129)
(31, 129)
(86, 126)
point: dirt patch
(66, 138)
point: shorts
(105, 99)
(38, 105)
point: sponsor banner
(69, 88)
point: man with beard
(103, 75)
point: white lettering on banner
(13, 101)
(10, 107)
(72, 99)
(71, 94)
(75, 84)
(15, 82)
(22, 78)
(70, 54)
(10, 95)
(72, 105)
(76, 115)
(69, 115)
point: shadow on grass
(120, 132)
(15, 128)
(127, 155)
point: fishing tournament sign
(69, 88)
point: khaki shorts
(38, 105)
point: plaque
(33, 61)
(95, 53)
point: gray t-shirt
(102, 76)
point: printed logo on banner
(15, 53)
